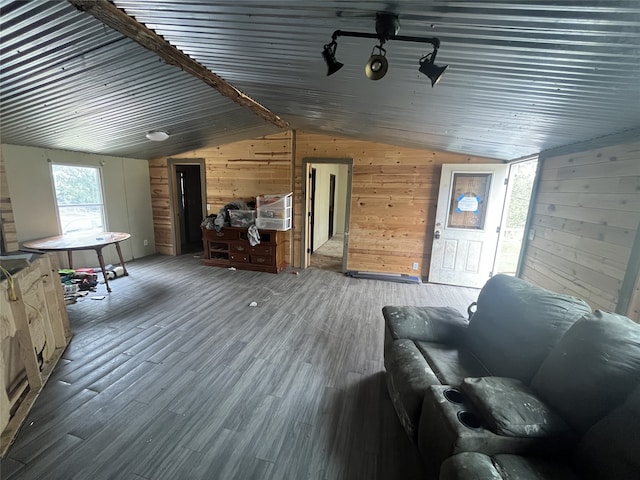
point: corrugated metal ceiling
(69, 82)
(523, 76)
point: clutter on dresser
(269, 212)
(248, 234)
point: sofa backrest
(517, 324)
(592, 370)
(611, 447)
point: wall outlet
(415, 265)
(145, 242)
(208, 207)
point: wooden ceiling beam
(117, 19)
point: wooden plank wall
(237, 171)
(585, 219)
(7, 221)
(162, 219)
(393, 202)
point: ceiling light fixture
(434, 72)
(377, 66)
(157, 135)
(329, 54)
(387, 26)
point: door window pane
(79, 198)
(469, 196)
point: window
(469, 200)
(79, 198)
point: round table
(93, 241)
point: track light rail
(403, 38)
(387, 25)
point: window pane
(80, 219)
(79, 198)
(469, 200)
(76, 185)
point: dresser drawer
(224, 234)
(262, 250)
(239, 247)
(239, 257)
(262, 259)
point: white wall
(127, 197)
(321, 219)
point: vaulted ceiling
(523, 76)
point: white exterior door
(470, 204)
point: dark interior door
(332, 202)
(312, 212)
(188, 187)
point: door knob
(436, 235)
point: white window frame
(98, 169)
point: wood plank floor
(329, 255)
(175, 376)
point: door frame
(332, 203)
(312, 207)
(307, 162)
(173, 196)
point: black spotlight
(329, 55)
(377, 66)
(431, 70)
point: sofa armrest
(511, 409)
(426, 324)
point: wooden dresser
(230, 247)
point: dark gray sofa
(610, 449)
(522, 382)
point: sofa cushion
(592, 370)
(451, 364)
(478, 466)
(469, 466)
(408, 378)
(517, 324)
(611, 448)
(510, 408)
(429, 324)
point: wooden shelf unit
(34, 330)
(230, 247)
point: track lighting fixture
(329, 54)
(431, 70)
(387, 26)
(377, 66)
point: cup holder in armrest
(469, 420)
(454, 396)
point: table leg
(104, 270)
(70, 257)
(124, 268)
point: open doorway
(188, 198)
(327, 198)
(514, 218)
